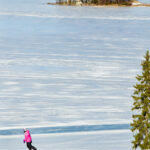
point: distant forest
(100, 2)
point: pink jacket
(27, 137)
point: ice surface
(69, 66)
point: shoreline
(98, 5)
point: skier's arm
(24, 141)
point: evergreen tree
(141, 107)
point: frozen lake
(68, 67)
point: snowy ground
(101, 140)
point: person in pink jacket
(28, 140)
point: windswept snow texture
(69, 66)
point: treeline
(105, 2)
(98, 2)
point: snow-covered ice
(69, 66)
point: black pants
(30, 147)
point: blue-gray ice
(69, 66)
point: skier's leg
(34, 148)
(29, 146)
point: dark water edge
(66, 129)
